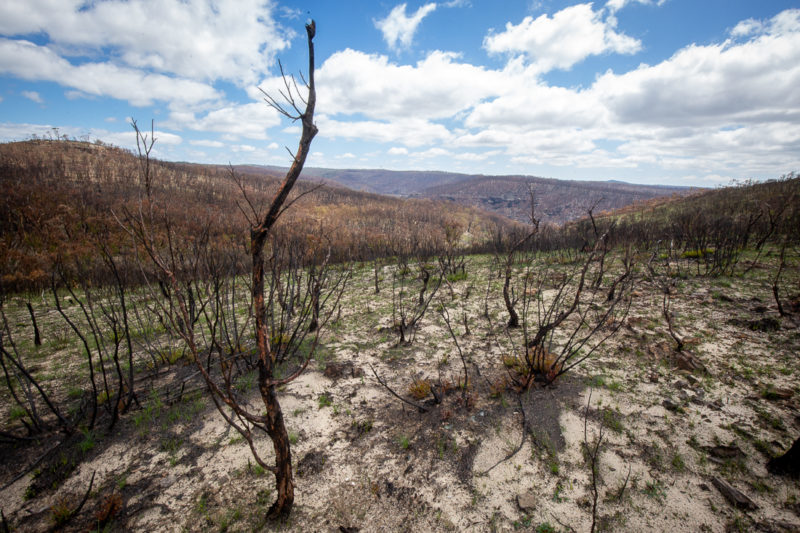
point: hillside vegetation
(63, 199)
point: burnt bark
(787, 464)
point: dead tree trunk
(258, 237)
(37, 339)
(787, 464)
(513, 317)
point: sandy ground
(368, 462)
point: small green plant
(655, 490)
(678, 463)
(88, 441)
(16, 413)
(457, 276)
(324, 400)
(74, 393)
(419, 389)
(557, 497)
(403, 442)
(522, 523)
(293, 438)
(545, 527)
(612, 420)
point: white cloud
(615, 5)
(412, 132)
(398, 29)
(747, 27)
(196, 39)
(431, 153)
(719, 84)
(33, 96)
(243, 148)
(245, 120)
(207, 143)
(352, 82)
(568, 37)
(397, 150)
(32, 62)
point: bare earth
(366, 461)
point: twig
(422, 408)
(521, 442)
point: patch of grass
(88, 441)
(655, 490)
(403, 442)
(293, 438)
(324, 400)
(545, 527)
(229, 518)
(523, 523)
(678, 462)
(612, 419)
(74, 393)
(457, 276)
(16, 413)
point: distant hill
(558, 201)
(394, 182)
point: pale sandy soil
(369, 462)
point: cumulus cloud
(717, 84)
(246, 120)
(30, 61)
(397, 150)
(398, 29)
(568, 37)
(33, 96)
(438, 86)
(207, 143)
(196, 39)
(615, 5)
(411, 131)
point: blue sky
(679, 92)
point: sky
(679, 92)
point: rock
(779, 525)
(527, 501)
(686, 361)
(311, 463)
(669, 405)
(725, 452)
(734, 496)
(771, 393)
(654, 378)
(346, 369)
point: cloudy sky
(681, 92)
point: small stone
(527, 501)
(669, 405)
